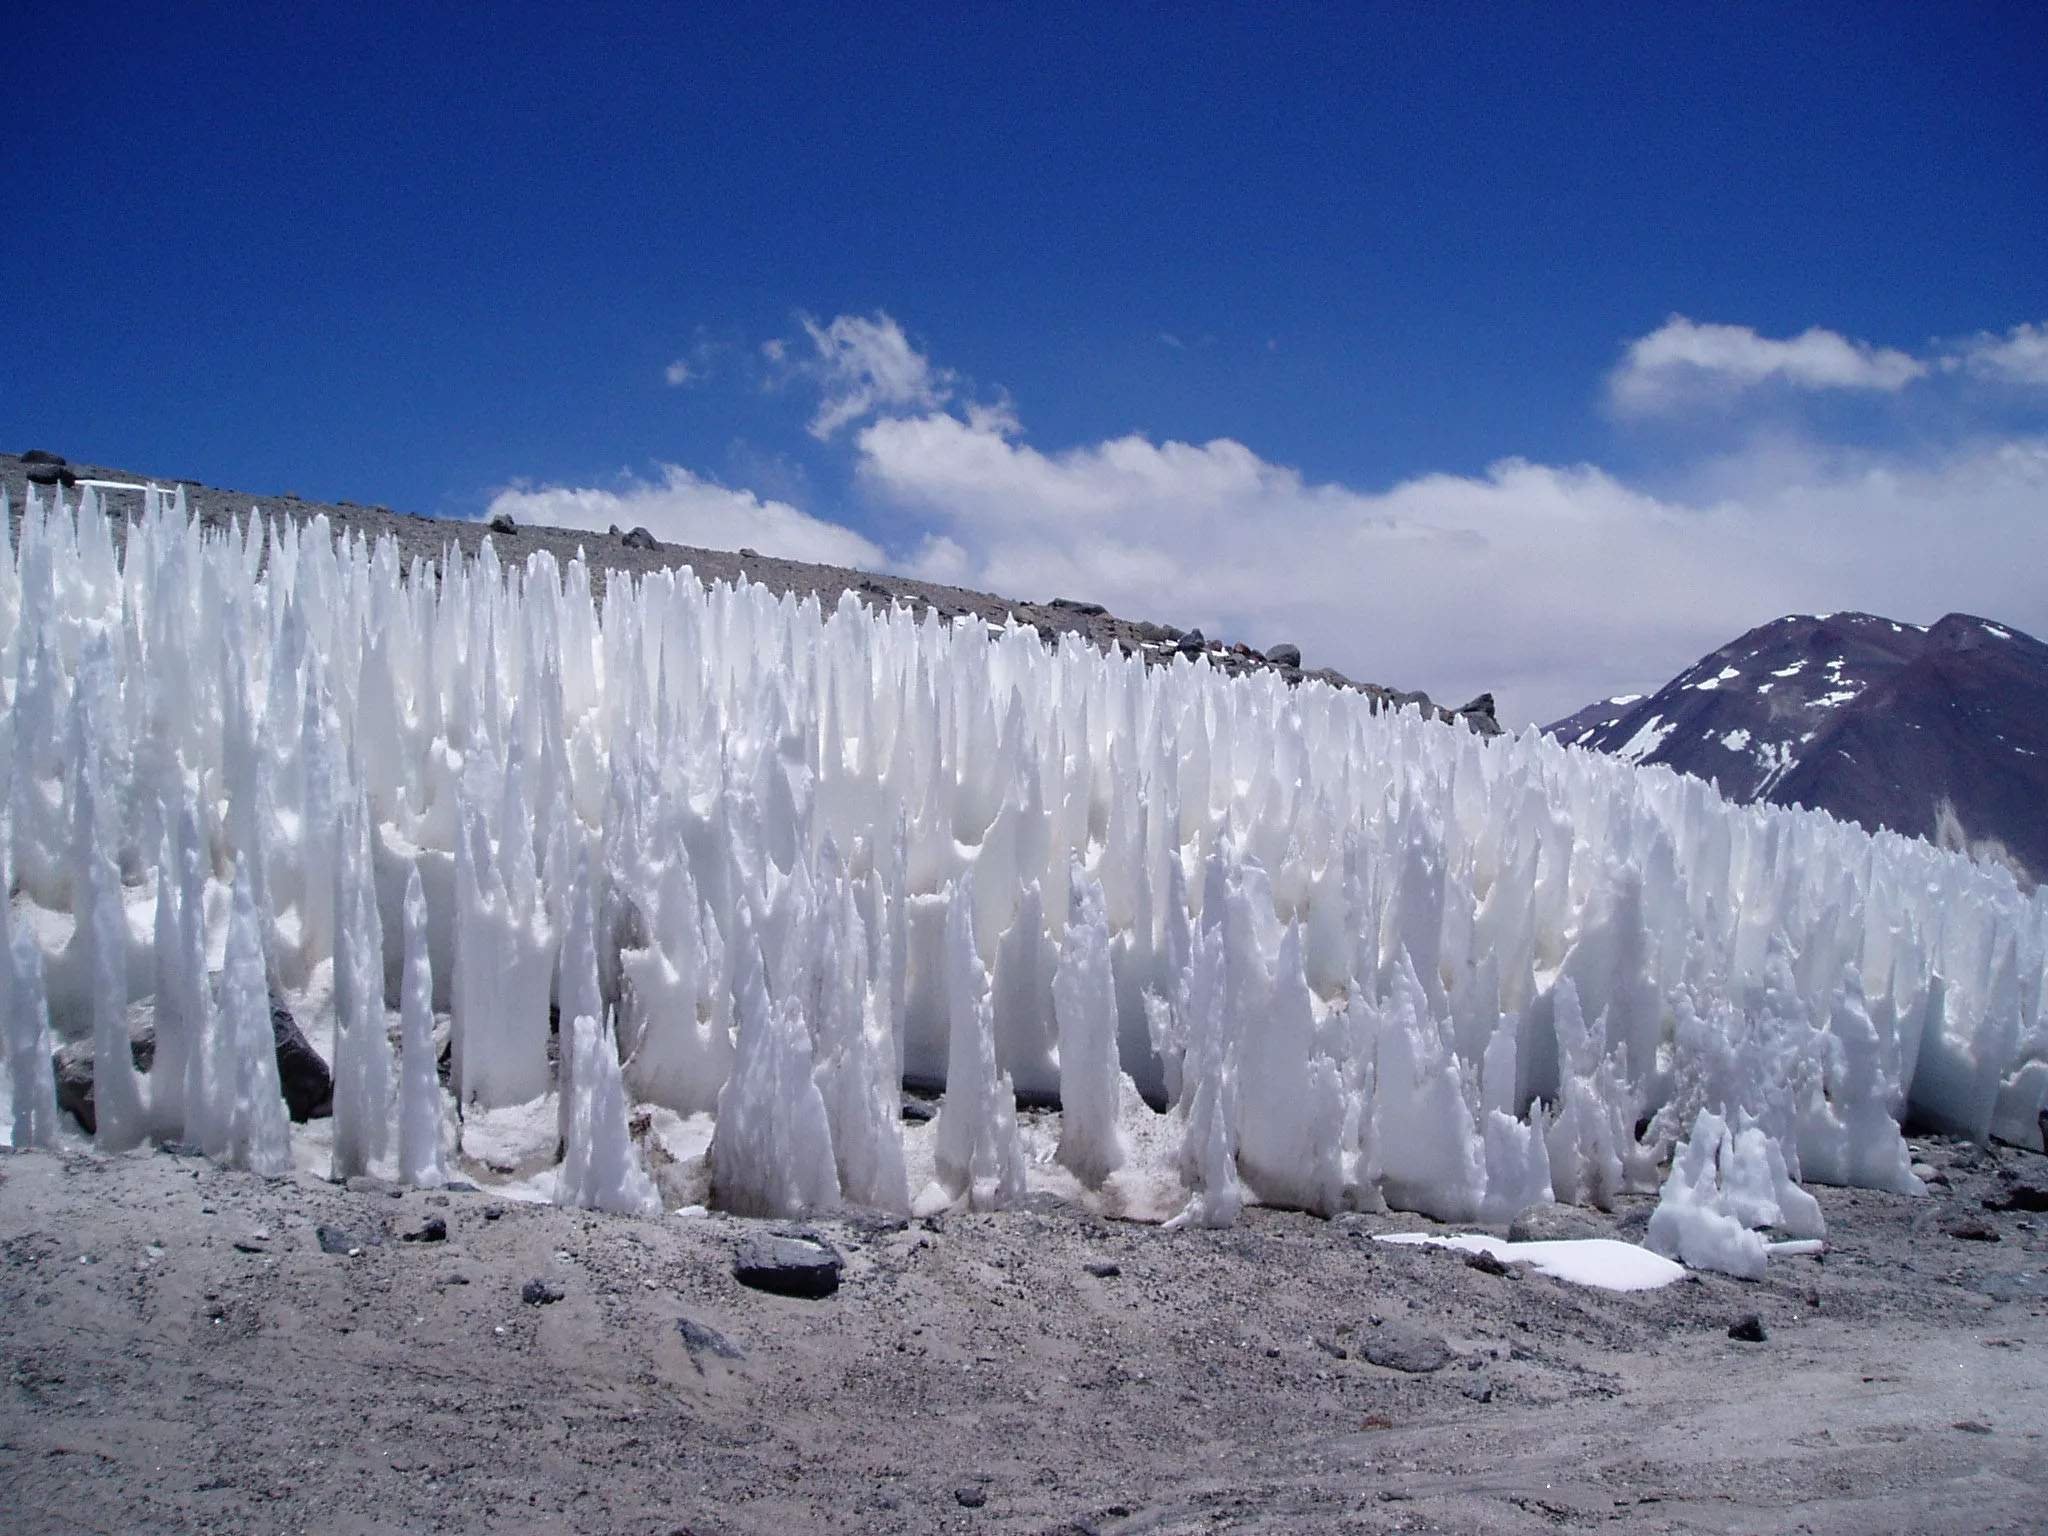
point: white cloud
(862, 364)
(678, 373)
(1550, 585)
(682, 508)
(2018, 357)
(1683, 361)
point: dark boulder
(640, 538)
(42, 456)
(503, 523)
(1284, 655)
(308, 1085)
(1403, 1346)
(804, 1267)
(1076, 606)
(1192, 643)
(50, 474)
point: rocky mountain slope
(1937, 731)
(633, 550)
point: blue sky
(1379, 251)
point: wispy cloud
(1684, 361)
(2020, 356)
(860, 364)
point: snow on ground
(1600, 1262)
(690, 881)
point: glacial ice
(646, 850)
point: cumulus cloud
(678, 373)
(1550, 585)
(2020, 356)
(1684, 361)
(683, 508)
(861, 364)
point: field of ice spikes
(766, 862)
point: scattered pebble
(1102, 1269)
(1749, 1329)
(971, 1498)
(538, 1293)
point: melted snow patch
(1776, 760)
(1647, 739)
(1604, 1263)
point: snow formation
(674, 852)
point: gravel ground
(183, 1354)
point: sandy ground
(181, 1354)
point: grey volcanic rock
(1938, 732)
(1284, 655)
(805, 1267)
(1404, 1346)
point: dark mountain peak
(1937, 731)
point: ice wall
(800, 852)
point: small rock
(1073, 605)
(1748, 1329)
(247, 1245)
(1191, 643)
(918, 1111)
(432, 1230)
(640, 538)
(1402, 1346)
(1973, 1232)
(503, 523)
(2030, 1195)
(1102, 1269)
(1333, 1349)
(1972, 1426)
(334, 1240)
(749, 554)
(1478, 1388)
(538, 1293)
(971, 1498)
(493, 1212)
(701, 1339)
(804, 1267)
(1487, 1263)
(1284, 655)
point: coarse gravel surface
(183, 1352)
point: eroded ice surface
(689, 882)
